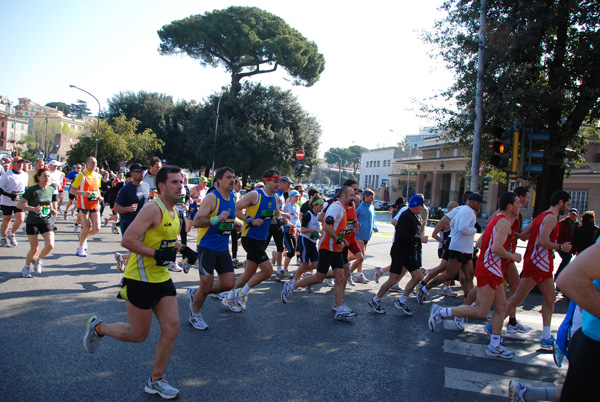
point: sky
(375, 62)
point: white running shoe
(81, 252)
(343, 313)
(460, 323)
(241, 299)
(447, 291)
(435, 317)
(518, 328)
(516, 391)
(162, 388)
(37, 266)
(11, 239)
(329, 282)
(174, 267)
(378, 273)
(120, 262)
(500, 352)
(197, 321)
(25, 272)
(231, 305)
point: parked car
(381, 205)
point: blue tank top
(216, 237)
(590, 323)
(263, 209)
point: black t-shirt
(131, 194)
(407, 238)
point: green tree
(63, 107)
(246, 41)
(260, 129)
(80, 109)
(41, 138)
(119, 141)
(542, 65)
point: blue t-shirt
(71, 176)
(365, 215)
(131, 194)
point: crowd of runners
(155, 207)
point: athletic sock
(403, 299)
(512, 321)
(446, 312)
(376, 298)
(540, 394)
(495, 341)
(546, 333)
(279, 269)
(231, 294)
(245, 290)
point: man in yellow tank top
(147, 285)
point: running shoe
(231, 304)
(4, 242)
(362, 279)
(280, 276)
(241, 299)
(219, 296)
(81, 252)
(115, 229)
(421, 295)
(329, 282)
(548, 344)
(516, 391)
(91, 337)
(396, 288)
(26, 272)
(197, 321)
(12, 240)
(343, 313)
(105, 222)
(75, 228)
(66, 216)
(120, 262)
(376, 306)
(499, 351)
(185, 266)
(287, 291)
(350, 280)
(435, 316)
(558, 355)
(174, 267)
(237, 263)
(447, 291)
(378, 273)
(518, 328)
(190, 294)
(37, 266)
(273, 257)
(460, 323)
(402, 306)
(162, 388)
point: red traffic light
(498, 147)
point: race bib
(44, 213)
(226, 227)
(267, 214)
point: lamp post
(98, 129)
(46, 119)
(212, 179)
(341, 162)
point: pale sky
(375, 61)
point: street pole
(341, 162)
(212, 180)
(98, 128)
(479, 99)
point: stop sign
(300, 155)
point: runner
(491, 265)
(147, 285)
(216, 220)
(365, 215)
(460, 255)
(310, 232)
(155, 165)
(86, 187)
(130, 200)
(57, 179)
(261, 207)
(12, 187)
(40, 202)
(405, 253)
(289, 231)
(330, 256)
(237, 188)
(539, 262)
(276, 230)
(69, 179)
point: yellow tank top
(147, 269)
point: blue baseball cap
(293, 193)
(415, 201)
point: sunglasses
(137, 170)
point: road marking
(484, 383)
(529, 357)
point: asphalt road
(272, 352)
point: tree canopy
(246, 41)
(80, 109)
(350, 156)
(63, 107)
(542, 65)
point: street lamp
(212, 180)
(98, 129)
(341, 162)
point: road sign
(300, 155)
(48, 159)
(123, 163)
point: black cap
(136, 166)
(573, 211)
(286, 179)
(477, 197)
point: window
(2, 124)
(596, 161)
(377, 163)
(579, 200)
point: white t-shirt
(14, 183)
(463, 230)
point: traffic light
(501, 147)
(486, 184)
(532, 151)
(298, 170)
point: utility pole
(479, 99)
